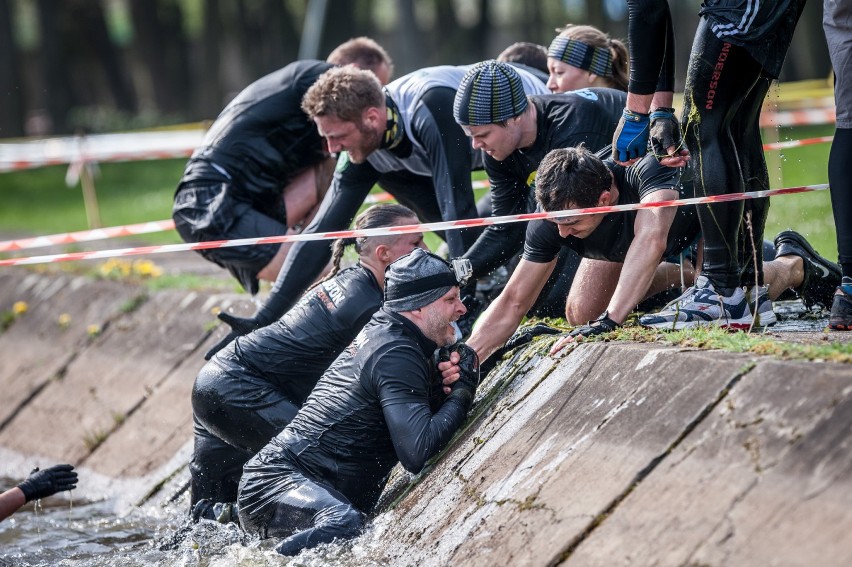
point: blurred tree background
(104, 65)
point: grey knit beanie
(489, 93)
(417, 279)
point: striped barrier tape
(427, 227)
(86, 235)
(137, 229)
(180, 144)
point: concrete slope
(625, 454)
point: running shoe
(761, 309)
(841, 308)
(702, 306)
(222, 512)
(822, 277)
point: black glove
(665, 131)
(603, 324)
(239, 326)
(465, 387)
(525, 335)
(41, 484)
(631, 136)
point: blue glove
(631, 136)
(665, 131)
(603, 324)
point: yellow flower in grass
(93, 330)
(147, 269)
(115, 268)
(19, 308)
(64, 320)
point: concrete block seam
(652, 465)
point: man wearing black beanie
(381, 402)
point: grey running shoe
(822, 277)
(702, 306)
(841, 308)
(761, 308)
(222, 512)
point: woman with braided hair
(254, 386)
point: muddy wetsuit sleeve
(651, 38)
(306, 260)
(402, 382)
(450, 158)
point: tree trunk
(11, 81)
(208, 83)
(54, 76)
(98, 57)
(159, 39)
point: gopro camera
(463, 270)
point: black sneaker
(841, 308)
(821, 276)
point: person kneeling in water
(254, 386)
(381, 402)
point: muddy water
(94, 534)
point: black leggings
(840, 182)
(724, 92)
(280, 502)
(234, 417)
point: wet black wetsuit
(427, 168)
(253, 387)
(738, 50)
(612, 238)
(374, 407)
(233, 184)
(652, 54)
(587, 116)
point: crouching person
(381, 402)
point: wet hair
(362, 52)
(525, 53)
(344, 92)
(374, 217)
(593, 37)
(571, 176)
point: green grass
(807, 213)
(37, 202)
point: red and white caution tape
(100, 148)
(798, 117)
(136, 229)
(435, 226)
(86, 235)
(797, 143)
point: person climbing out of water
(254, 386)
(380, 403)
(39, 484)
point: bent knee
(343, 520)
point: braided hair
(373, 217)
